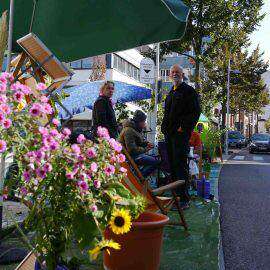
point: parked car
(260, 142)
(236, 139)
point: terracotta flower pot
(141, 247)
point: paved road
(244, 193)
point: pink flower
(56, 122)
(25, 89)
(120, 158)
(3, 88)
(47, 167)
(94, 208)
(26, 175)
(35, 110)
(47, 109)
(81, 138)
(44, 99)
(76, 149)
(83, 185)
(66, 132)
(91, 152)
(18, 96)
(70, 175)
(113, 159)
(54, 145)
(103, 133)
(43, 131)
(123, 170)
(31, 166)
(3, 146)
(39, 154)
(41, 86)
(97, 184)
(2, 118)
(5, 108)
(54, 132)
(7, 123)
(115, 145)
(93, 166)
(3, 99)
(41, 173)
(24, 191)
(15, 86)
(109, 170)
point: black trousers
(178, 149)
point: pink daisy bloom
(109, 170)
(94, 167)
(47, 167)
(123, 170)
(115, 145)
(5, 109)
(43, 131)
(18, 96)
(76, 149)
(121, 158)
(41, 86)
(94, 208)
(39, 154)
(83, 185)
(91, 152)
(103, 133)
(47, 108)
(66, 132)
(44, 99)
(81, 138)
(54, 132)
(35, 110)
(3, 99)
(3, 146)
(70, 175)
(56, 122)
(54, 145)
(25, 89)
(97, 184)
(7, 123)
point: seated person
(132, 138)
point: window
(85, 63)
(165, 75)
(125, 67)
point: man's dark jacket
(104, 116)
(182, 109)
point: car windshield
(260, 137)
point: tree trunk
(197, 77)
(3, 37)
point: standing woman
(103, 112)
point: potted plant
(73, 191)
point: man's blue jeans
(147, 163)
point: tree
(3, 37)
(98, 68)
(212, 24)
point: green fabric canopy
(74, 29)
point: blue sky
(262, 35)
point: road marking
(257, 158)
(239, 157)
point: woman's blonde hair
(103, 87)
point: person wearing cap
(132, 139)
(181, 114)
(103, 112)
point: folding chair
(36, 61)
(28, 263)
(137, 184)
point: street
(245, 213)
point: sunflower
(120, 222)
(103, 245)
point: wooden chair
(36, 61)
(137, 184)
(28, 263)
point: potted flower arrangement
(73, 191)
